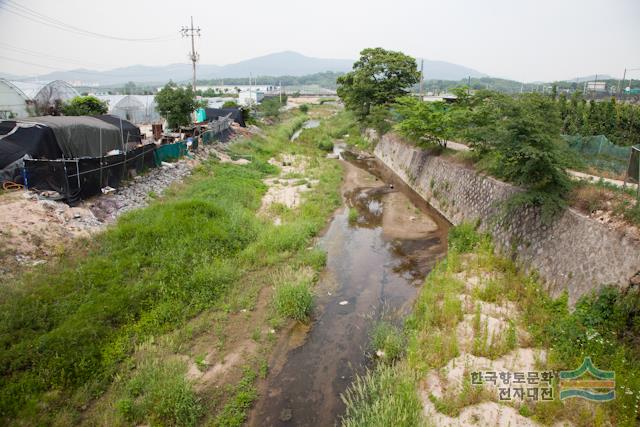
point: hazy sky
(519, 39)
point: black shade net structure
(78, 157)
(233, 113)
(82, 178)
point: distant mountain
(276, 64)
(10, 76)
(283, 64)
(440, 70)
(134, 73)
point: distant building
(22, 99)
(596, 86)
(217, 102)
(445, 97)
(250, 97)
(240, 88)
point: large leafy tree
(426, 123)
(378, 78)
(527, 153)
(176, 104)
(84, 106)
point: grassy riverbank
(107, 334)
(477, 311)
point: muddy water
(375, 266)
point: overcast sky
(519, 39)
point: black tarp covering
(35, 140)
(130, 131)
(6, 126)
(82, 136)
(82, 178)
(236, 114)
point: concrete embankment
(573, 253)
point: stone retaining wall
(575, 252)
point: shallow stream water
(375, 265)
(309, 124)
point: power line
(30, 52)
(32, 15)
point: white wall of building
(250, 97)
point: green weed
(159, 394)
(384, 396)
(389, 339)
(353, 215)
(293, 300)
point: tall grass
(294, 300)
(388, 339)
(385, 396)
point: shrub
(293, 300)
(325, 144)
(304, 108)
(85, 106)
(230, 104)
(464, 237)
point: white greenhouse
(22, 99)
(137, 109)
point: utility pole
(421, 79)
(192, 32)
(621, 83)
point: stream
(376, 264)
(309, 124)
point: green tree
(378, 78)
(130, 88)
(527, 154)
(85, 106)
(176, 104)
(426, 123)
(270, 107)
(478, 119)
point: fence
(599, 152)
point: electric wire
(30, 14)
